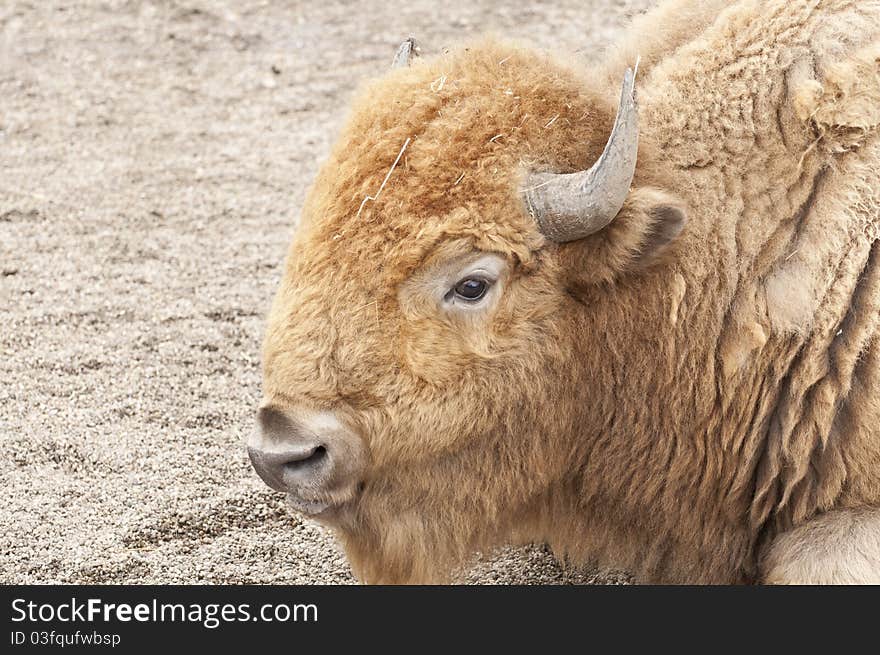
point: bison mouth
(321, 508)
(308, 507)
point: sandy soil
(153, 158)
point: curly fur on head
(666, 395)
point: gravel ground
(153, 158)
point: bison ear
(647, 224)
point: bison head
(436, 373)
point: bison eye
(472, 288)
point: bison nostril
(287, 469)
(310, 459)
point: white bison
(643, 328)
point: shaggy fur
(670, 405)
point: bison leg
(839, 547)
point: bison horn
(571, 206)
(405, 53)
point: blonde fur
(840, 547)
(670, 405)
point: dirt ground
(153, 159)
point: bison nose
(287, 454)
(309, 455)
(289, 468)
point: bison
(640, 326)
